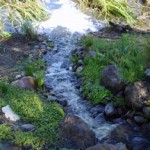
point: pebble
(79, 69)
(109, 110)
(52, 98)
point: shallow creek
(65, 27)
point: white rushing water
(65, 26)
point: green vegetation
(5, 132)
(127, 53)
(28, 30)
(36, 68)
(44, 115)
(111, 9)
(19, 11)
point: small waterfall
(66, 25)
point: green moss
(45, 116)
(127, 53)
(5, 133)
(27, 139)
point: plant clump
(110, 9)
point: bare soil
(12, 52)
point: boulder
(10, 114)
(136, 93)
(111, 80)
(74, 133)
(118, 146)
(27, 82)
(146, 112)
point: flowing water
(65, 26)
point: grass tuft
(111, 9)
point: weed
(36, 68)
(28, 30)
(39, 78)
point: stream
(64, 28)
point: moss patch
(45, 116)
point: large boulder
(111, 80)
(136, 93)
(118, 146)
(27, 82)
(74, 133)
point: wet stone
(52, 98)
(110, 110)
(27, 127)
(139, 119)
(79, 69)
(100, 118)
(140, 143)
(96, 110)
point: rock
(111, 80)
(52, 98)
(146, 112)
(36, 47)
(122, 133)
(92, 54)
(79, 69)
(109, 110)
(10, 114)
(140, 143)
(96, 110)
(118, 146)
(100, 118)
(27, 82)
(139, 119)
(74, 133)
(136, 93)
(27, 127)
(147, 72)
(18, 76)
